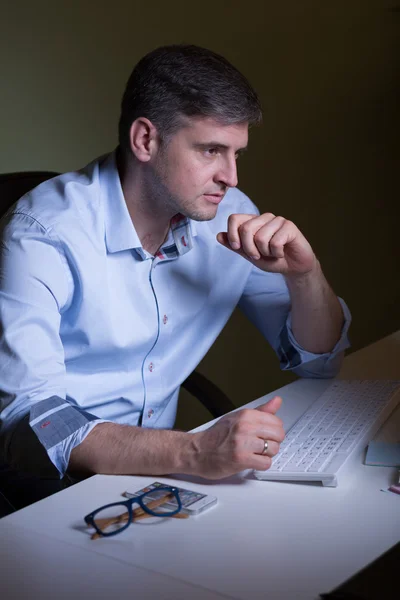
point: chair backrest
(15, 185)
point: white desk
(263, 539)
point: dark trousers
(18, 489)
(26, 473)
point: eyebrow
(218, 145)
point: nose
(227, 174)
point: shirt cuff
(309, 364)
(60, 453)
(59, 427)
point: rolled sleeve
(59, 427)
(34, 290)
(60, 453)
(266, 302)
(45, 437)
(308, 364)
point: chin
(202, 212)
(203, 215)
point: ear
(144, 139)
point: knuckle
(232, 219)
(276, 247)
(245, 414)
(243, 428)
(262, 246)
(245, 228)
(235, 220)
(259, 238)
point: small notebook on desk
(383, 454)
(336, 428)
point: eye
(212, 151)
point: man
(117, 279)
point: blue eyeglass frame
(89, 519)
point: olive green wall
(326, 157)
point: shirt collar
(120, 232)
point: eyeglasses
(113, 518)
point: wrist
(306, 278)
(187, 453)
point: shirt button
(165, 319)
(150, 413)
(151, 367)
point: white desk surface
(263, 539)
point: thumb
(222, 238)
(272, 406)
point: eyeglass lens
(168, 507)
(111, 519)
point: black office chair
(15, 185)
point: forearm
(317, 317)
(234, 443)
(114, 449)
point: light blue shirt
(93, 328)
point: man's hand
(272, 243)
(236, 441)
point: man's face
(193, 172)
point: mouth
(214, 198)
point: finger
(222, 238)
(284, 235)
(259, 462)
(272, 406)
(247, 232)
(272, 433)
(238, 223)
(250, 425)
(273, 447)
(253, 441)
(260, 417)
(265, 234)
(234, 222)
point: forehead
(205, 130)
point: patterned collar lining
(178, 242)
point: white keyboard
(336, 427)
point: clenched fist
(236, 441)
(272, 243)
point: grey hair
(174, 82)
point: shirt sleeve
(266, 303)
(35, 288)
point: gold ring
(264, 452)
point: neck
(151, 219)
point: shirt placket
(153, 363)
(178, 242)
